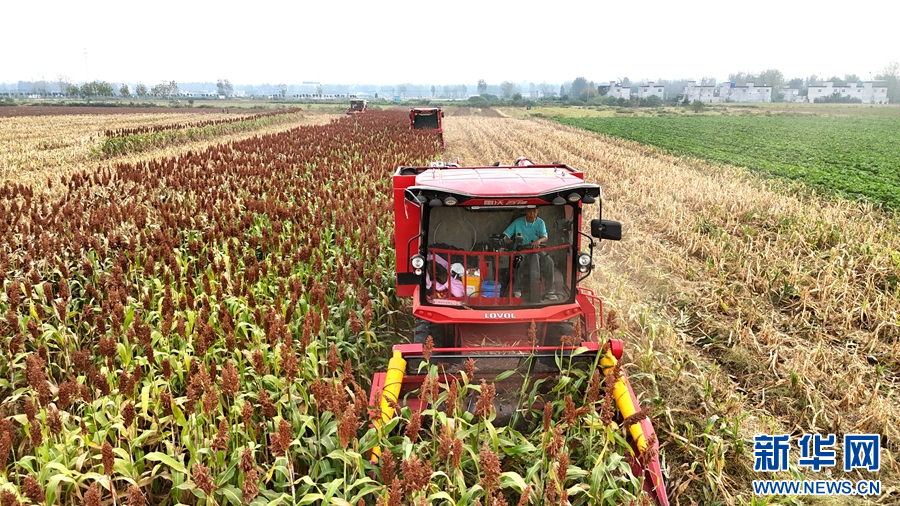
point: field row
(34, 149)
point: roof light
(450, 201)
(558, 201)
(587, 199)
(574, 197)
(435, 202)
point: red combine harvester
(428, 118)
(484, 288)
(357, 106)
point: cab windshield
(509, 256)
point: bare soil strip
(746, 308)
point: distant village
(866, 92)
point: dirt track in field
(719, 350)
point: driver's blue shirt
(530, 231)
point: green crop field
(855, 157)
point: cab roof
(498, 181)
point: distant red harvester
(357, 106)
(505, 304)
(428, 118)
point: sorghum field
(198, 323)
(203, 328)
(38, 144)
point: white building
(651, 90)
(748, 93)
(791, 95)
(701, 93)
(616, 90)
(871, 92)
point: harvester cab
(492, 258)
(428, 118)
(357, 106)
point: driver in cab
(534, 235)
(532, 228)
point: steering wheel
(555, 294)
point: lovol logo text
(503, 316)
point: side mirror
(606, 229)
(442, 114)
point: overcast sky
(446, 42)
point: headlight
(584, 262)
(418, 262)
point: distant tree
(97, 89)
(478, 101)
(562, 90)
(62, 82)
(140, 89)
(770, 77)
(319, 90)
(165, 89)
(89, 90)
(462, 90)
(73, 90)
(124, 91)
(225, 87)
(836, 98)
(707, 81)
(433, 89)
(509, 89)
(891, 75)
(401, 90)
(651, 101)
(282, 90)
(851, 78)
(795, 83)
(517, 96)
(532, 91)
(578, 85)
(546, 90)
(482, 87)
(588, 93)
(697, 106)
(837, 81)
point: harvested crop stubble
(36, 149)
(750, 309)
